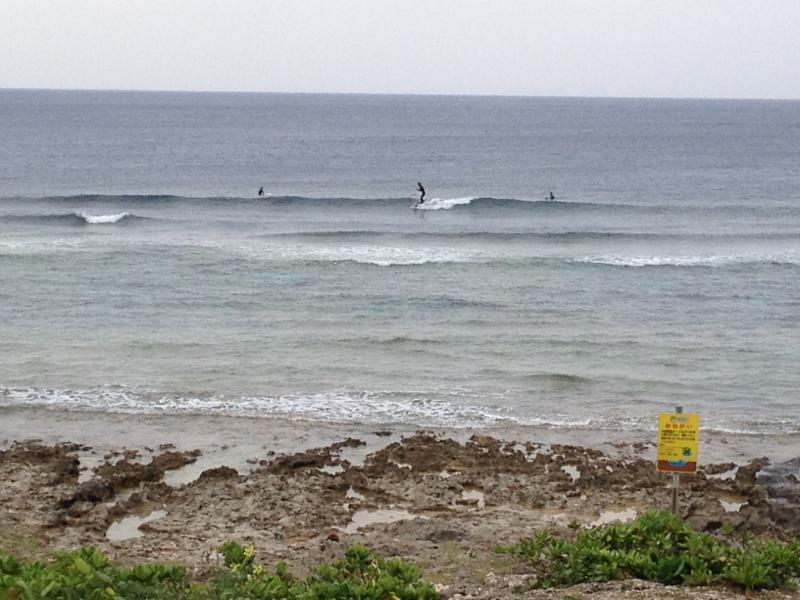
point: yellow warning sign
(678, 435)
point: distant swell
(503, 236)
(473, 202)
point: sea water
(141, 273)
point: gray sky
(683, 48)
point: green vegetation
(87, 575)
(658, 547)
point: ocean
(141, 273)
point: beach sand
(173, 488)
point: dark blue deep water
(139, 272)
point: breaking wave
(456, 409)
(74, 218)
(788, 258)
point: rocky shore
(441, 503)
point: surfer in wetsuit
(422, 193)
(551, 196)
(261, 191)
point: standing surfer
(551, 196)
(261, 191)
(422, 193)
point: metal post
(676, 479)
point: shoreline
(234, 438)
(174, 488)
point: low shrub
(658, 547)
(86, 574)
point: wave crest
(444, 204)
(103, 219)
(73, 218)
(790, 258)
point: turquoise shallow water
(140, 274)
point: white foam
(690, 261)
(444, 203)
(100, 219)
(458, 408)
(379, 255)
(382, 256)
(334, 407)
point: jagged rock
(218, 473)
(746, 476)
(66, 469)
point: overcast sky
(676, 48)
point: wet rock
(785, 515)
(347, 443)
(781, 480)
(444, 534)
(300, 461)
(222, 472)
(66, 470)
(746, 476)
(704, 514)
(80, 508)
(94, 490)
(56, 520)
(174, 460)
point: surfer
(261, 191)
(422, 193)
(551, 196)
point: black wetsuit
(422, 195)
(261, 191)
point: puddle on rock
(128, 528)
(448, 474)
(610, 516)
(732, 506)
(354, 455)
(352, 494)
(470, 495)
(730, 474)
(572, 472)
(332, 469)
(364, 518)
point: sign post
(678, 437)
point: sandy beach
(168, 488)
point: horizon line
(419, 94)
